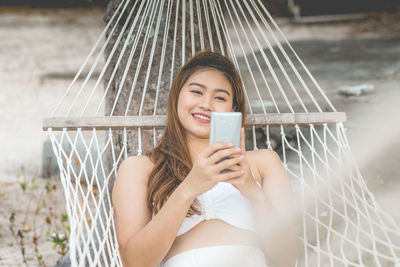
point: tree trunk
(148, 107)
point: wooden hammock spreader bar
(149, 121)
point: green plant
(60, 241)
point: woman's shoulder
(263, 159)
(136, 165)
(137, 160)
(263, 156)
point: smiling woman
(176, 207)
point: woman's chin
(200, 134)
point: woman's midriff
(212, 233)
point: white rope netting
(115, 107)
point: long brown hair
(171, 158)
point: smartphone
(225, 127)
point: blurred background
(351, 47)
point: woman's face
(205, 91)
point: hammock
(116, 104)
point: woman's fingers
(236, 167)
(228, 163)
(242, 140)
(230, 175)
(211, 149)
(225, 153)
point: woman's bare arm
(272, 208)
(144, 241)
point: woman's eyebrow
(205, 87)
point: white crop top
(223, 202)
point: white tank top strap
(252, 175)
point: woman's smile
(201, 117)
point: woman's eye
(196, 92)
(220, 98)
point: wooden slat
(120, 122)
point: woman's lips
(201, 119)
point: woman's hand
(245, 183)
(207, 168)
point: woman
(174, 206)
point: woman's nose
(206, 103)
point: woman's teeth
(201, 117)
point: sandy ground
(36, 213)
(36, 43)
